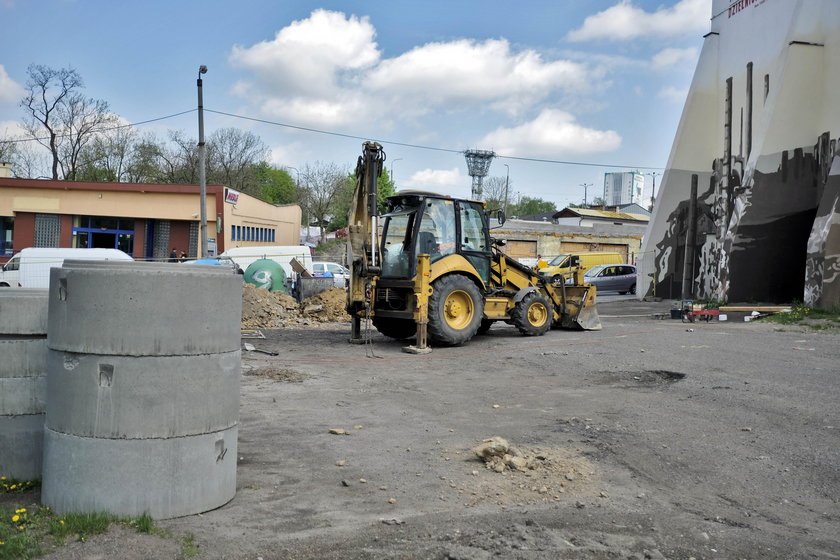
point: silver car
(619, 278)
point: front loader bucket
(587, 317)
(581, 312)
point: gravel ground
(648, 439)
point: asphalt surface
(654, 439)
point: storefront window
(7, 228)
(104, 232)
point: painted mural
(764, 224)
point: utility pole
(202, 163)
(653, 190)
(585, 186)
(507, 184)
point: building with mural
(747, 210)
(145, 220)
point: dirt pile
(528, 475)
(262, 309)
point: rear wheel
(455, 310)
(633, 289)
(533, 314)
(395, 328)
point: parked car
(339, 273)
(619, 278)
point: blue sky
(597, 82)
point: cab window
(472, 230)
(436, 235)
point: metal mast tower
(478, 164)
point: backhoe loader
(434, 273)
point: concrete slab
(143, 309)
(165, 478)
(22, 395)
(142, 396)
(23, 356)
(22, 445)
(24, 311)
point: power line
(99, 130)
(353, 136)
(420, 146)
(330, 133)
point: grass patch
(189, 548)
(818, 319)
(27, 529)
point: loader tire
(395, 328)
(455, 310)
(533, 314)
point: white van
(31, 267)
(282, 254)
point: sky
(563, 91)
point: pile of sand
(262, 309)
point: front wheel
(455, 310)
(533, 314)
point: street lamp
(507, 184)
(202, 173)
(585, 186)
(391, 173)
(297, 174)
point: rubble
(262, 309)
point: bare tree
(108, 156)
(144, 164)
(8, 150)
(46, 89)
(81, 120)
(320, 186)
(179, 163)
(494, 192)
(232, 156)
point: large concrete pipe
(143, 388)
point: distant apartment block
(623, 188)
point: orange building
(146, 221)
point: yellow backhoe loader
(434, 273)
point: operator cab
(426, 223)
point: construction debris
(262, 309)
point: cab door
(474, 237)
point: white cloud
(668, 58)
(552, 134)
(10, 90)
(326, 70)
(673, 94)
(467, 72)
(626, 21)
(442, 180)
(308, 56)
(11, 129)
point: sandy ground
(648, 439)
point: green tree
(385, 188)
(275, 185)
(527, 206)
